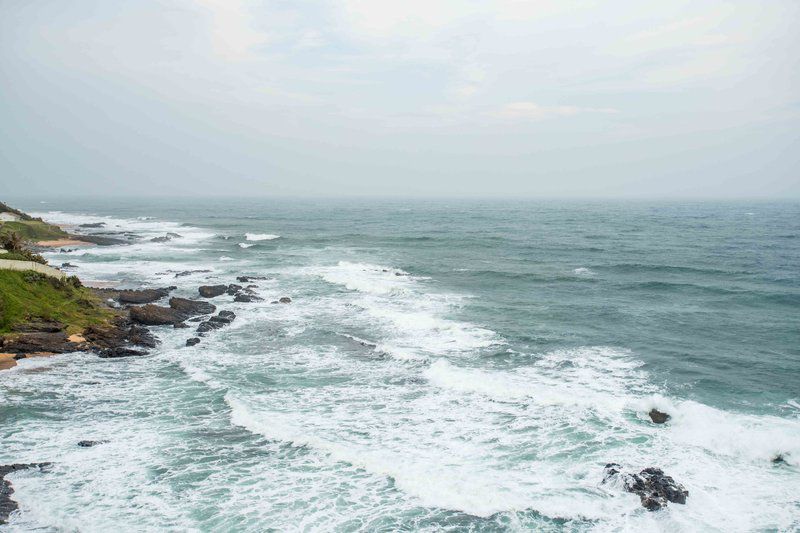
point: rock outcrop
(7, 505)
(658, 417)
(143, 296)
(191, 307)
(653, 487)
(212, 291)
(156, 315)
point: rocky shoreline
(130, 334)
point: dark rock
(212, 291)
(285, 300)
(93, 225)
(90, 443)
(779, 459)
(143, 296)
(653, 487)
(39, 326)
(246, 298)
(121, 333)
(190, 272)
(119, 351)
(68, 265)
(180, 325)
(230, 315)
(658, 417)
(192, 341)
(161, 239)
(56, 342)
(155, 315)
(7, 505)
(209, 325)
(233, 289)
(247, 279)
(99, 240)
(399, 274)
(174, 235)
(191, 307)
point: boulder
(143, 296)
(93, 225)
(192, 341)
(155, 315)
(233, 289)
(161, 239)
(658, 417)
(653, 487)
(228, 315)
(191, 307)
(285, 300)
(212, 291)
(180, 325)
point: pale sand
(7, 359)
(64, 242)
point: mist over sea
(444, 365)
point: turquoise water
(443, 366)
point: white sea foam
(245, 245)
(583, 271)
(260, 236)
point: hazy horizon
(494, 99)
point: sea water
(444, 365)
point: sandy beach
(63, 242)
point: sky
(484, 98)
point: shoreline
(57, 243)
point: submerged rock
(161, 239)
(7, 505)
(192, 341)
(190, 272)
(247, 279)
(120, 351)
(93, 225)
(191, 307)
(658, 417)
(90, 443)
(212, 291)
(246, 298)
(653, 487)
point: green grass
(34, 230)
(13, 256)
(26, 296)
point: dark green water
(444, 365)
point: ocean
(444, 365)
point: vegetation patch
(29, 296)
(33, 230)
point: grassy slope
(22, 300)
(34, 230)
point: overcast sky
(465, 98)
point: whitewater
(442, 366)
